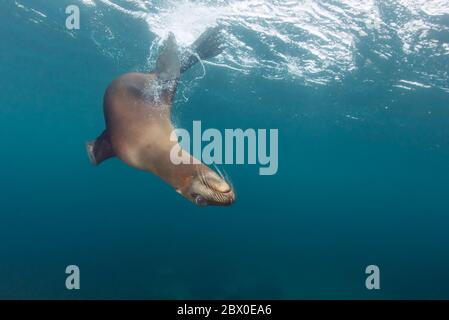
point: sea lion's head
(209, 188)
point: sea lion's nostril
(232, 198)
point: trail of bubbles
(312, 40)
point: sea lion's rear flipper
(209, 44)
(168, 65)
(99, 149)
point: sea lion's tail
(207, 46)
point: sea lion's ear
(168, 65)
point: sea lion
(137, 111)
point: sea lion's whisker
(218, 171)
(206, 182)
(203, 179)
(228, 179)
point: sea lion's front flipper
(99, 149)
(168, 65)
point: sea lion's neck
(179, 176)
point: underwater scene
(337, 185)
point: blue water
(359, 93)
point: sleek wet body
(137, 110)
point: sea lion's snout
(208, 188)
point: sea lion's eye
(199, 200)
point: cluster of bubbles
(316, 41)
